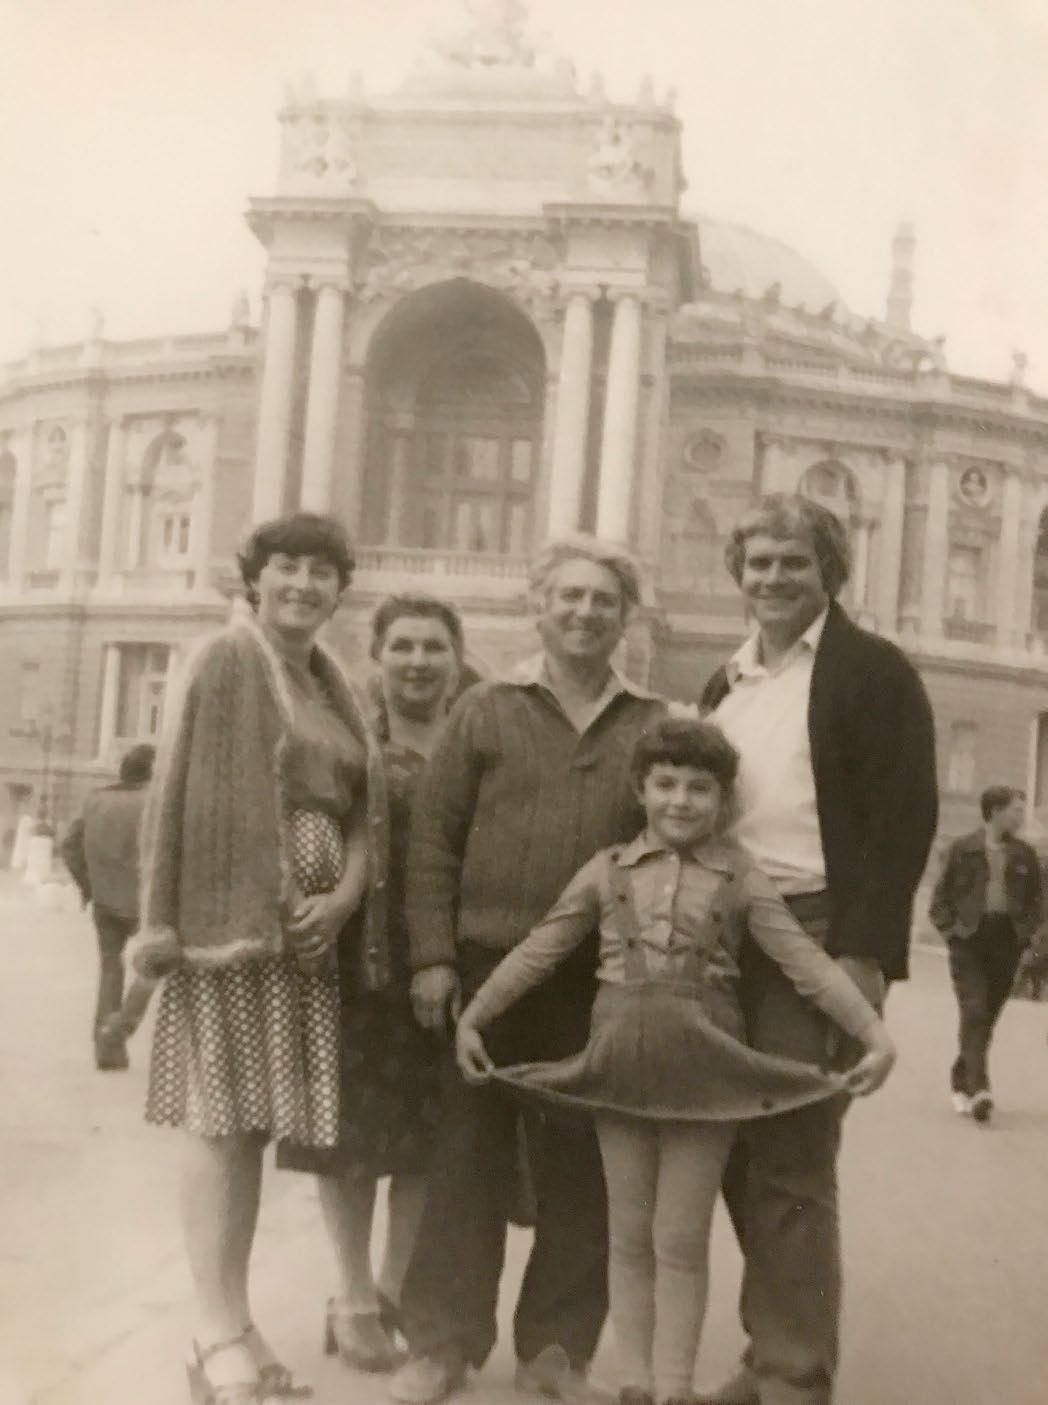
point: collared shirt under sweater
(513, 802)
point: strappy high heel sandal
(360, 1339)
(274, 1378)
(202, 1391)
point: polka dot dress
(255, 1048)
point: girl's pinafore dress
(669, 1048)
(255, 1047)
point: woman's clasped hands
(315, 922)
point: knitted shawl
(215, 855)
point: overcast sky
(134, 131)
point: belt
(808, 905)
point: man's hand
(473, 1060)
(875, 1065)
(436, 997)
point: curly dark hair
(684, 741)
(297, 534)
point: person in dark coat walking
(838, 805)
(101, 853)
(987, 905)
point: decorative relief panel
(615, 168)
(318, 149)
(400, 260)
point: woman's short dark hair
(297, 534)
(684, 741)
(786, 515)
(416, 607)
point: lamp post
(38, 856)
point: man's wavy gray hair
(783, 515)
(582, 547)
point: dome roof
(738, 259)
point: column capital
(284, 283)
(625, 295)
(330, 283)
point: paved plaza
(944, 1221)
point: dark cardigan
(873, 753)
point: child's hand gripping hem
(473, 1060)
(875, 1065)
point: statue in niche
(495, 39)
(614, 167)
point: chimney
(900, 289)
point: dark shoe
(741, 1388)
(360, 1339)
(110, 1050)
(425, 1380)
(552, 1374)
(633, 1395)
(982, 1106)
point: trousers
(982, 969)
(663, 1179)
(450, 1292)
(781, 1191)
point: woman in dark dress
(390, 1065)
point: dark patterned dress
(390, 1099)
(255, 1047)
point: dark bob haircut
(411, 606)
(297, 534)
(684, 741)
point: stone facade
(488, 320)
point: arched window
(8, 471)
(1040, 577)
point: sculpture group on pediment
(495, 38)
(615, 166)
(318, 145)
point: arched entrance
(455, 394)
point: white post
(398, 490)
(353, 468)
(325, 373)
(936, 542)
(112, 501)
(23, 452)
(889, 561)
(618, 442)
(573, 397)
(274, 410)
(1008, 550)
(204, 506)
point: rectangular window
(961, 759)
(142, 688)
(475, 528)
(29, 692)
(963, 583)
(477, 457)
(520, 461)
(174, 537)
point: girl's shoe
(360, 1339)
(274, 1378)
(203, 1391)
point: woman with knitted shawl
(266, 829)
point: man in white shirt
(838, 805)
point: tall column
(1030, 532)
(568, 463)
(108, 702)
(860, 577)
(398, 490)
(936, 545)
(325, 373)
(274, 410)
(889, 559)
(619, 440)
(76, 481)
(22, 448)
(1008, 552)
(204, 506)
(351, 475)
(112, 501)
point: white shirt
(765, 716)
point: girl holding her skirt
(666, 1074)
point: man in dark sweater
(987, 905)
(837, 804)
(529, 780)
(101, 853)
